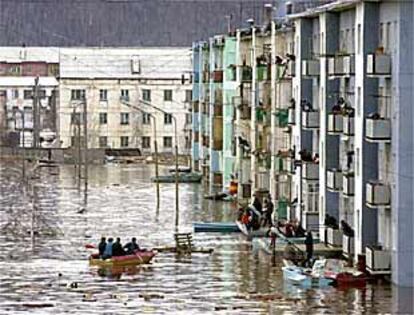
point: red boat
(137, 258)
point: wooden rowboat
(221, 227)
(182, 178)
(138, 258)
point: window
(146, 142)
(124, 142)
(27, 94)
(187, 142)
(124, 118)
(103, 95)
(188, 95)
(167, 142)
(103, 118)
(146, 95)
(76, 118)
(103, 142)
(188, 118)
(125, 95)
(15, 94)
(15, 69)
(146, 118)
(167, 119)
(359, 39)
(77, 95)
(168, 95)
(41, 93)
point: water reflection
(120, 201)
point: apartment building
(333, 116)
(123, 90)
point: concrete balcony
(310, 120)
(334, 237)
(348, 126)
(378, 130)
(291, 69)
(310, 171)
(334, 180)
(378, 194)
(291, 116)
(348, 245)
(310, 221)
(310, 68)
(348, 184)
(285, 164)
(341, 66)
(245, 112)
(378, 65)
(335, 123)
(378, 260)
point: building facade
(123, 90)
(321, 115)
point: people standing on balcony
(346, 229)
(315, 158)
(349, 160)
(305, 155)
(306, 106)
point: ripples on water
(120, 202)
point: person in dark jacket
(268, 212)
(108, 249)
(102, 246)
(309, 248)
(132, 246)
(117, 249)
(257, 204)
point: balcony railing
(341, 66)
(334, 237)
(378, 65)
(310, 119)
(378, 260)
(348, 245)
(378, 130)
(378, 194)
(310, 170)
(348, 184)
(246, 74)
(335, 123)
(263, 73)
(348, 126)
(291, 116)
(334, 180)
(285, 164)
(310, 68)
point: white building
(120, 87)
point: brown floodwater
(36, 273)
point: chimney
(268, 8)
(289, 7)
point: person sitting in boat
(108, 249)
(257, 204)
(102, 246)
(132, 246)
(117, 249)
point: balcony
(282, 118)
(310, 120)
(378, 260)
(291, 116)
(348, 126)
(348, 245)
(217, 76)
(335, 123)
(245, 112)
(378, 194)
(246, 74)
(310, 68)
(341, 66)
(263, 181)
(310, 171)
(378, 65)
(348, 184)
(285, 164)
(334, 180)
(378, 130)
(262, 73)
(334, 237)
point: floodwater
(36, 277)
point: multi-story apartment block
(331, 88)
(122, 89)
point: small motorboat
(182, 178)
(181, 169)
(251, 233)
(137, 258)
(305, 277)
(221, 227)
(335, 269)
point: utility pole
(36, 111)
(79, 159)
(157, 183)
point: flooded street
(235, 278)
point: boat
(221, 227)
(335, 269)
(305, 277)
(138, 258)
(251, 233)
(181, 169)
(182, 178)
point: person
(347, 230)
(309, 247)
(316, 158)
(108, 249)
(132, 246)
(117, 249)
(257, 204)
(306, 155)
(268, 212)
(102, 246)
(273, 235)
(299, 231)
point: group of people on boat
(108, 249)
(257, 215)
